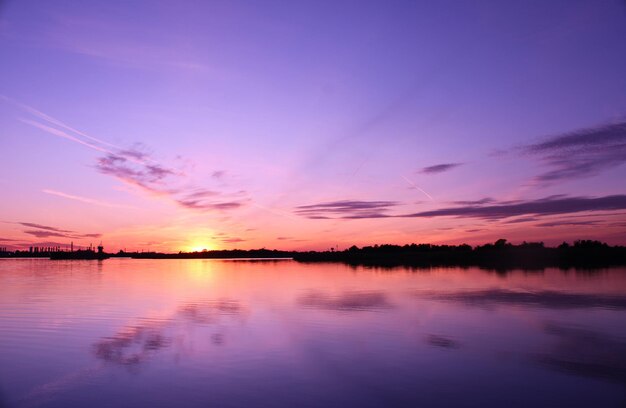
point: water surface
(224, 333)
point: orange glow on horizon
(199, 247)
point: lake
(232, 333)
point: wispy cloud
(42, 227)
(561, 223)
(108, 40)
(125, 166)
(209, 200)
(45, 231)
(232, 240)
(582, 153)
(416, 187)
(48, 234)
(545, 206)
(137, 167)
(346, 209)
(521, 220)
(161, 180)
(60, 133)
(528, 210)
(481, 201)
(85, 199)
(439, 168)
(47, 118)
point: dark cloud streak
(48, 234)
(347, 209)
(44, 227)
(439, 168)
(232, 240)
(545, 206)
(582, 153)
(529, 210)
(45, 231)
(485, 200)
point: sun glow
(199, 247)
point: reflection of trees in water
(586, 353)
(134, 344)
(347, 301)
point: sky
(188, 125)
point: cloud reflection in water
(134, 344)
(585, 353)
(440, 341)
(346, 301)
(543, 298)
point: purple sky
(173, 125)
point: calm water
(203, 333)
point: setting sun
(199, 247)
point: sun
(199, 247)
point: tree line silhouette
(500, 254)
